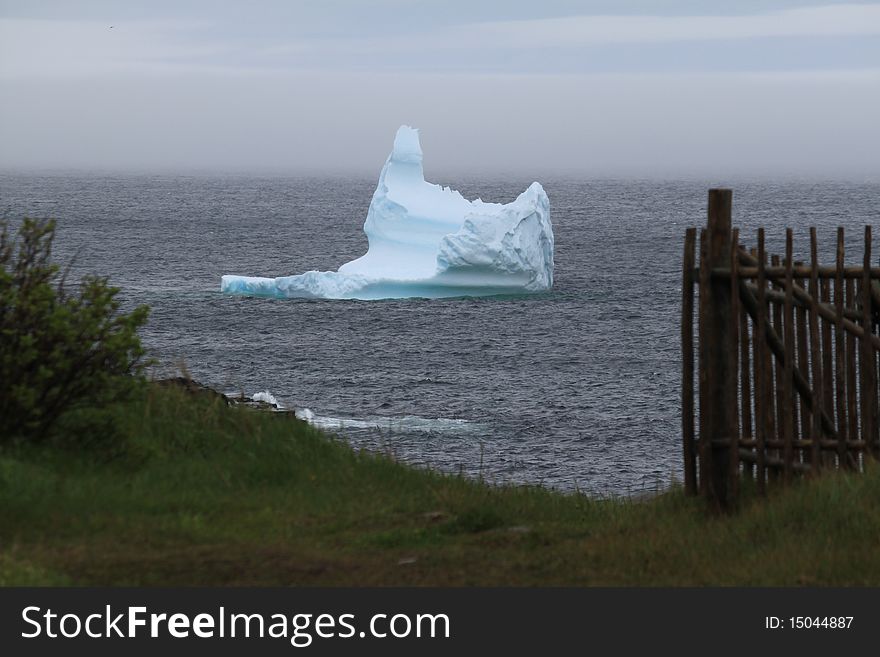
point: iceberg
(429, 241)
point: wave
(266, 397)
(404, 424)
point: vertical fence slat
(703, 451)
(687, 363)
(860, 364)
(876, 400)
(875, 292)
(816, 426)
(788, 364)
(770, 369)
(843, 431)
(778, 372)
(733, 415)
(761, 387)
(803, 364)
(867, 362)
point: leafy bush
(59, 349)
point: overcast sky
(603, 88)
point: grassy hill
(187, 491)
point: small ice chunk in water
(266, 397)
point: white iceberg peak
(407, 148)
(429, 241)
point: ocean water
(575, 389)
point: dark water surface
(577, 388)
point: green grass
(208, 495)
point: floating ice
(405, 424)
(429, 241)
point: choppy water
(577, 388)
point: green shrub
(60, 349)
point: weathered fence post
(844, 430)
(866, 367)
(716, 341)
(788, 365)
(763, 373)
(687, 363)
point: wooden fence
(788, 360)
